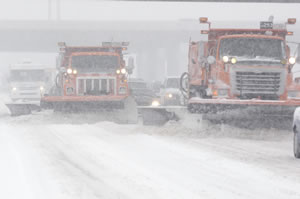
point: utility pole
(49, 9)
(56, 12)
(57, 9)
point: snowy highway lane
(48, 155)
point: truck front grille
(28, 88)
(253, 83)
(96, 86)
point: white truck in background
(170, 93)
(28, 82)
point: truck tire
(296, 144)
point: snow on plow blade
(283, 107)
(17, 109)
(123, 109)
(246, 113)
(159, 115)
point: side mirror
(298, 54)
(130, 65)
(211, 59)
(298, 59)
(193, 61)
(62, 69)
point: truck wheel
(297, 145)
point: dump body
(89, 78)
(239, 68)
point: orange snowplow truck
(238, 68)
(90, 78)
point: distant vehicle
(296, 129)
(140, 91)
(155, 86)
(28, 83)
(170, 93)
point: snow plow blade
(160, 115)
(285, 107)
(245, 113)
(122, 109)
(17, 109)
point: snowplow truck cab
(89, 78)
(237, 68)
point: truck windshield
(27, 75)
(95, 63)
(253, 49)
(173, 83)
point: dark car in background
(141, 92)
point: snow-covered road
(48, 155)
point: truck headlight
(74, 72)
(118, 71)
(225, 59)
(14, 89)
(233, 60)
(41, 88)
(69, 71)
(292, 60)
(123, 70)
(155, 103)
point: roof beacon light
(203, 19)
(291, 20)
(61, 44)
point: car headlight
(155, 103)
(123, 70)
(41, 88)
(69, 71)
(170, 95)
(292, 60)
(14, 89)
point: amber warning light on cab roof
(291, 20)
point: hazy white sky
(105, 10)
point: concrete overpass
(156, 43)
